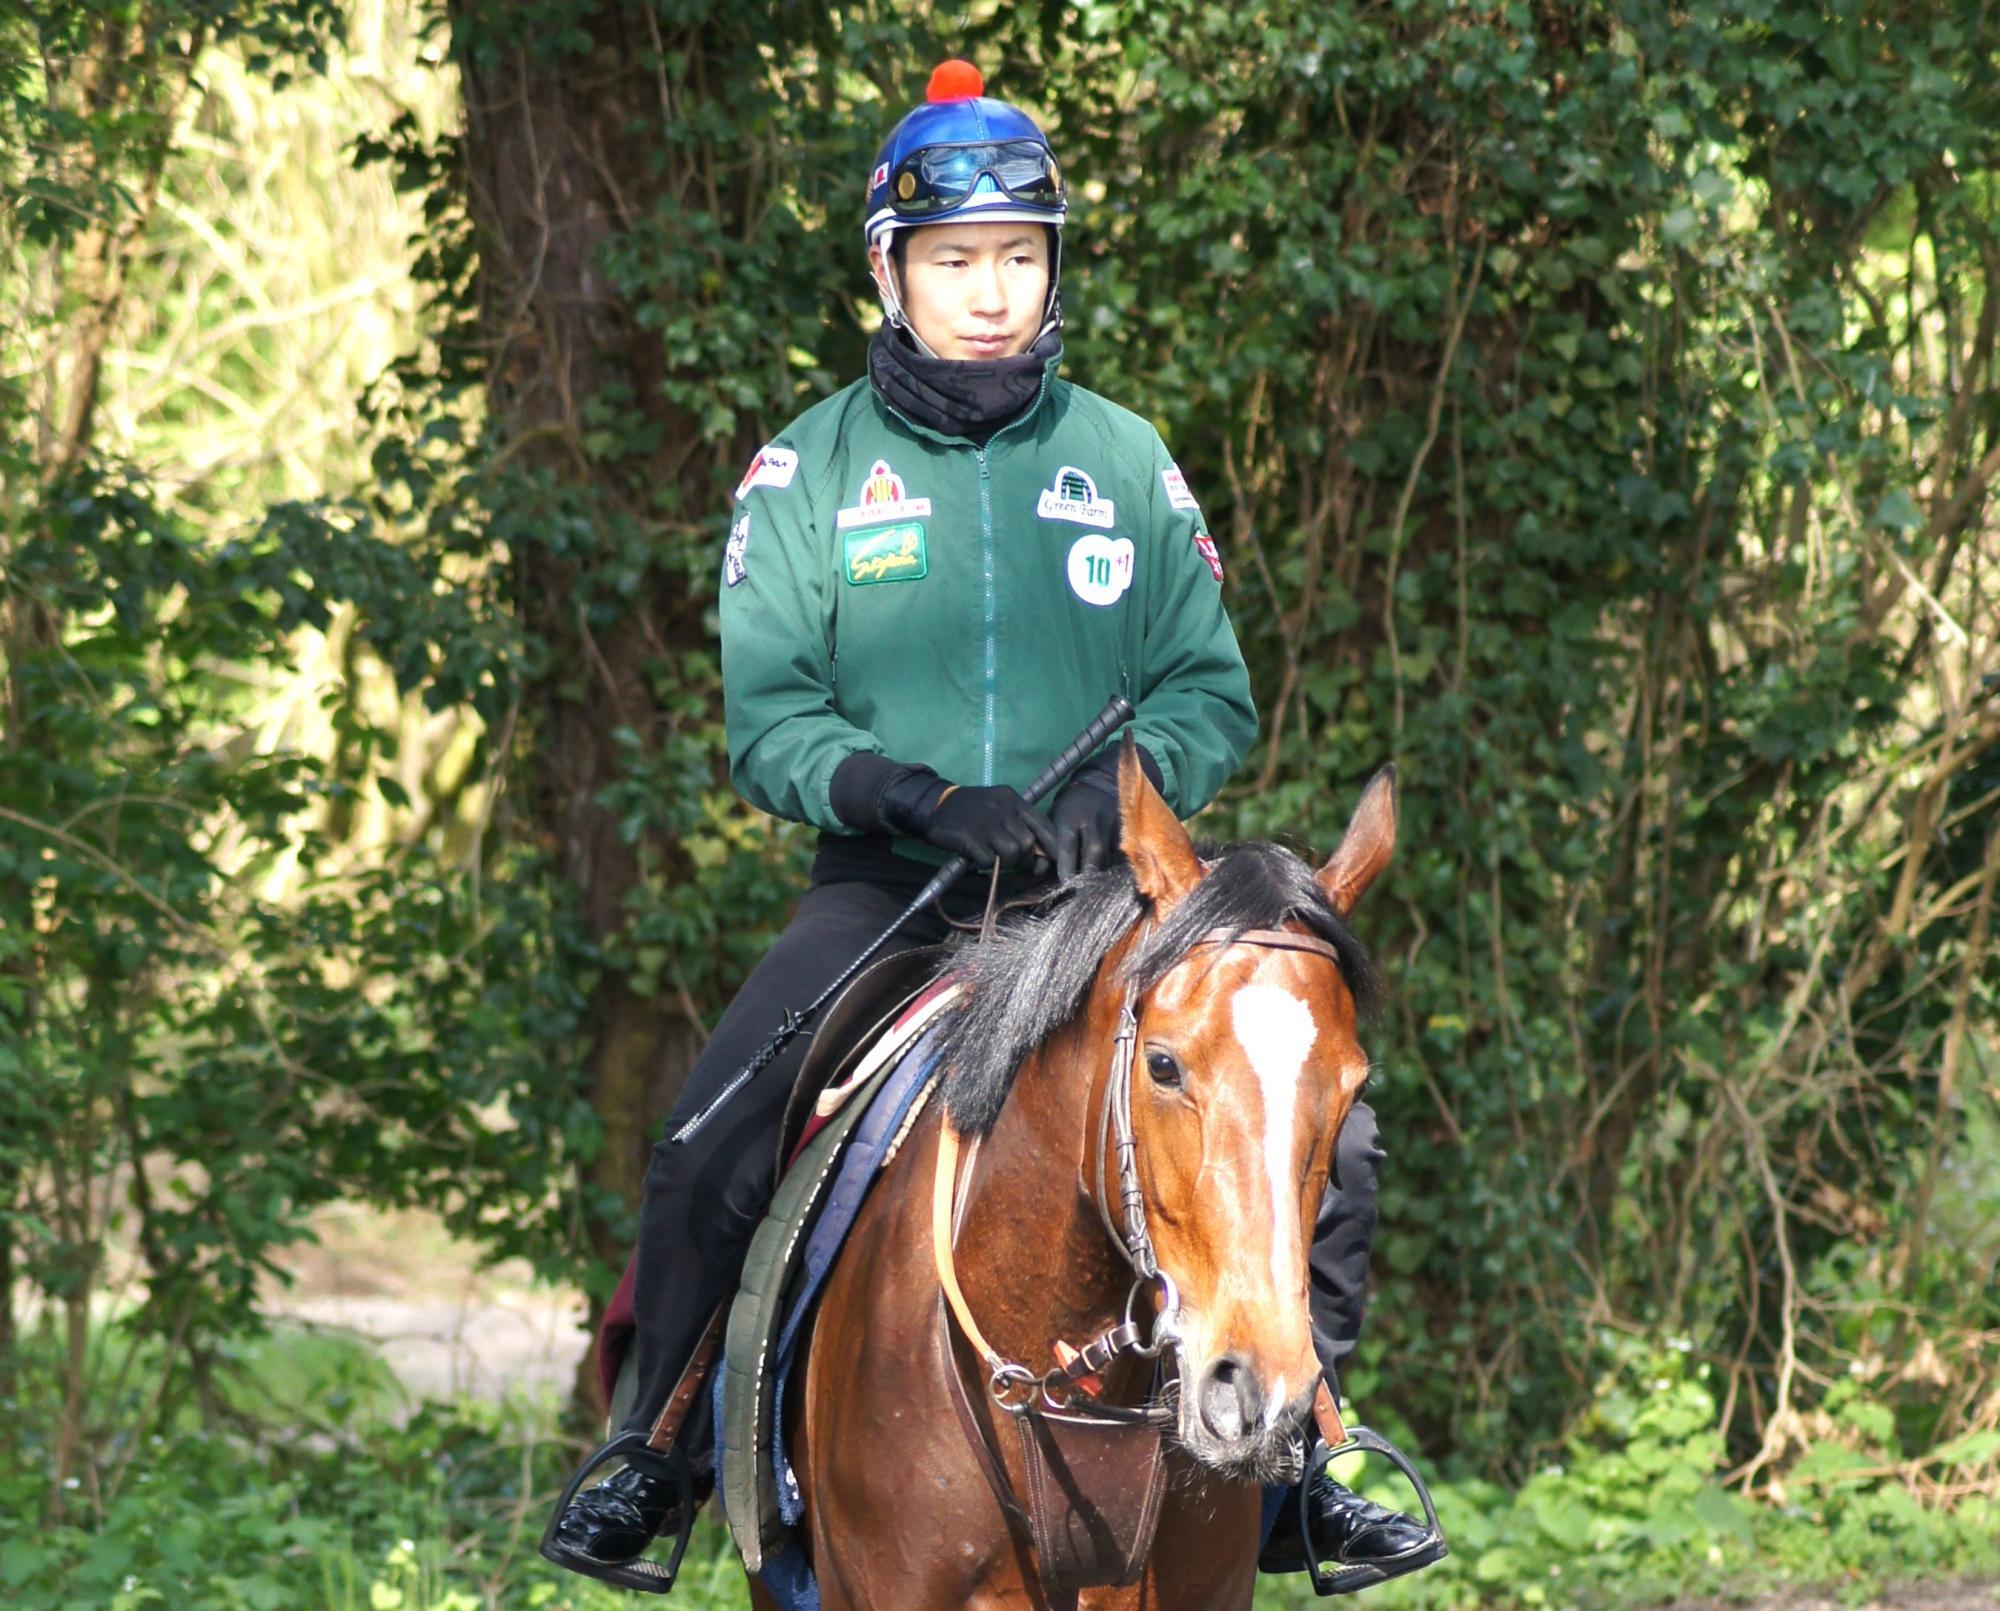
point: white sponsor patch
(1100, 568)
(1074, 497)
(883, 498)
(1276, 1031)
(869, 514)
(734, 566)
(773, 467)
(1177, 488)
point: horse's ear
(1366, 846)
(1164, 864)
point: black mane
(1035, 974)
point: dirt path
(443, 1323)
(438, 1348)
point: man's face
(973, 290)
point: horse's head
(1247, 1061)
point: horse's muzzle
(1229, 1424)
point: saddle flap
(849, 1025)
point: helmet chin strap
(892, 298)
(891, 294)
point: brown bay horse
(1245, 986)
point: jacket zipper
(988, 567)
(992, 608)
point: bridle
(1016, 1388)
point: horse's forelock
(1253, 886)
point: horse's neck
(1033, 1253)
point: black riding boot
(613, 1523)
(604, 1529)
(1365, 1543)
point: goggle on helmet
(963, 154)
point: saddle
(867, 1037)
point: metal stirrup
(1346, 1579)
(644, 1575)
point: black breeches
(705, 1197)
(1338, 1261)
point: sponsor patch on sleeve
(773, 467)
(1205, 546)
(734, 564)
(1178, 495)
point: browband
(1273, 940)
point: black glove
(984, 825)
(990, 824)
(1085, 817)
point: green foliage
(219, 1005)
(387, 1506)
(242, 1055)
(383, 1506)
(1561, 388)
(1634, 1513)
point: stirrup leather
(1346, 1579)
(646, 1575)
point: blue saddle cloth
(786, 1573)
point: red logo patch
(1206, 545)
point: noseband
(1013, 1386)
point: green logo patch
(887, 554)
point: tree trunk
(563, 152)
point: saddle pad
(746, 1388)
(875, 1143)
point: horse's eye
(1165, 1070)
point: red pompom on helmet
(955, 80)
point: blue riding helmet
(963, 154)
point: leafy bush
(1636, 1512)
(321, 1486)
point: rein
(1066, 1388)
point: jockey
(933, 580)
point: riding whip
(1106, 722)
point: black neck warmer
(972, 399)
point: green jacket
(888, 588)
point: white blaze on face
(1276, 1031)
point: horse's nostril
(1230, 1400)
